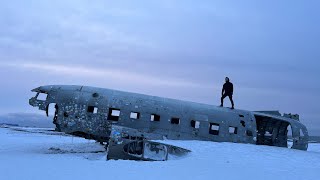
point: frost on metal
(110, 117)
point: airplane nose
(42, 89)
(36, 89)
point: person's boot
(232, 107)
(221, 105)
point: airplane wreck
(129, 124)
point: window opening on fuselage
(289, 137)
(175, 120)
(155, 117)
(195, 124)
(113, 114)
(135, 115)
(233, 130)
(42, 96)
(214, 129)
(92, 109)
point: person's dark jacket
(227, 89)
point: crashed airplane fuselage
(93, 113)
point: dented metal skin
(128, 143)
(89, 112)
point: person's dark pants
(230, 97)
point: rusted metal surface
(92, 112)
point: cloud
(93, 72)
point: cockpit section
(71, 112)
(40, 99)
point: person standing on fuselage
(227, 90)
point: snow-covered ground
(29, 153)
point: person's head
(227, 79)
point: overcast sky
(177, 49)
